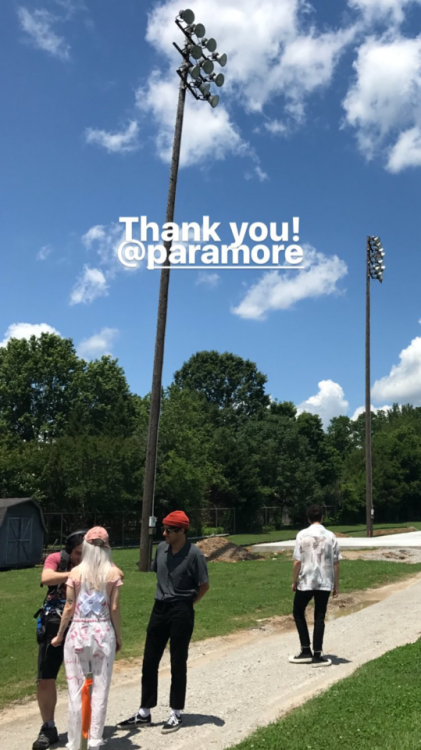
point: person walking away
(93, 593)
(315, 575)
(54, 575)
(182, 581)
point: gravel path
(240, 682)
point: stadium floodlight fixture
(194, 51)
(195, 71)
(207, 66)
(187, 16)
(221, 59)
(213, 100)
(204, 88)
(199, 30)
(210, 44)
(218, 79)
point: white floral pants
(89, 647)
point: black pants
(173, 622)
(301, 599)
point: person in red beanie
(182, 580)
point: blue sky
(320, 118)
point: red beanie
(177, 518)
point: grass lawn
(377, 708)
(239, 595)
(289, 533)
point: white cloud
(38, 25)
(276, 127)
(361, 410)
(381, 9)
(117, 142)
(207, 133)
(265, 59)
(26, 330)
(208, 279)
(45, 251)
(406, 152)
(262, 176)
(105, 240)
(384, 102)
(99, 344)
(403, 384)
(329, 402)
(90, 285)
(279, 291)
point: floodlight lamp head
(210, 44)
(195, 71)
(199, 30)
(222, 59)
(187, 16)
(204, 89)
(207, 66)
(213, 101)
(218, 79)
(194, 51)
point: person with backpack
(315, 576)
(94, 636)
(54, 575)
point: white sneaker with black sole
(173, 723)
(302, 658)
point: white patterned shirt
(317, 549)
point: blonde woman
(92, 600)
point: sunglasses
(169, 529)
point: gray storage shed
(22, 529)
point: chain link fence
(124, 526)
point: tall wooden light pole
(199, 86)
(374, 270)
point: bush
(209, 530)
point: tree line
(73, 436)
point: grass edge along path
(375, 708)
(239, 596)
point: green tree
(226, 380)
(36, 386)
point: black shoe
(135, 721)
(320, 661)
(305, 657)
(48, 736)
(172, 724)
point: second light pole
(374, 270)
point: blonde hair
(95, 566)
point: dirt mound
(219, 549)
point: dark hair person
(182, 580)
(315, 575)
(55, 573)
(92, 603)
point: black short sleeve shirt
(179, 576)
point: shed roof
(9, 502)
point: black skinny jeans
(173, 622)
(301, 599)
